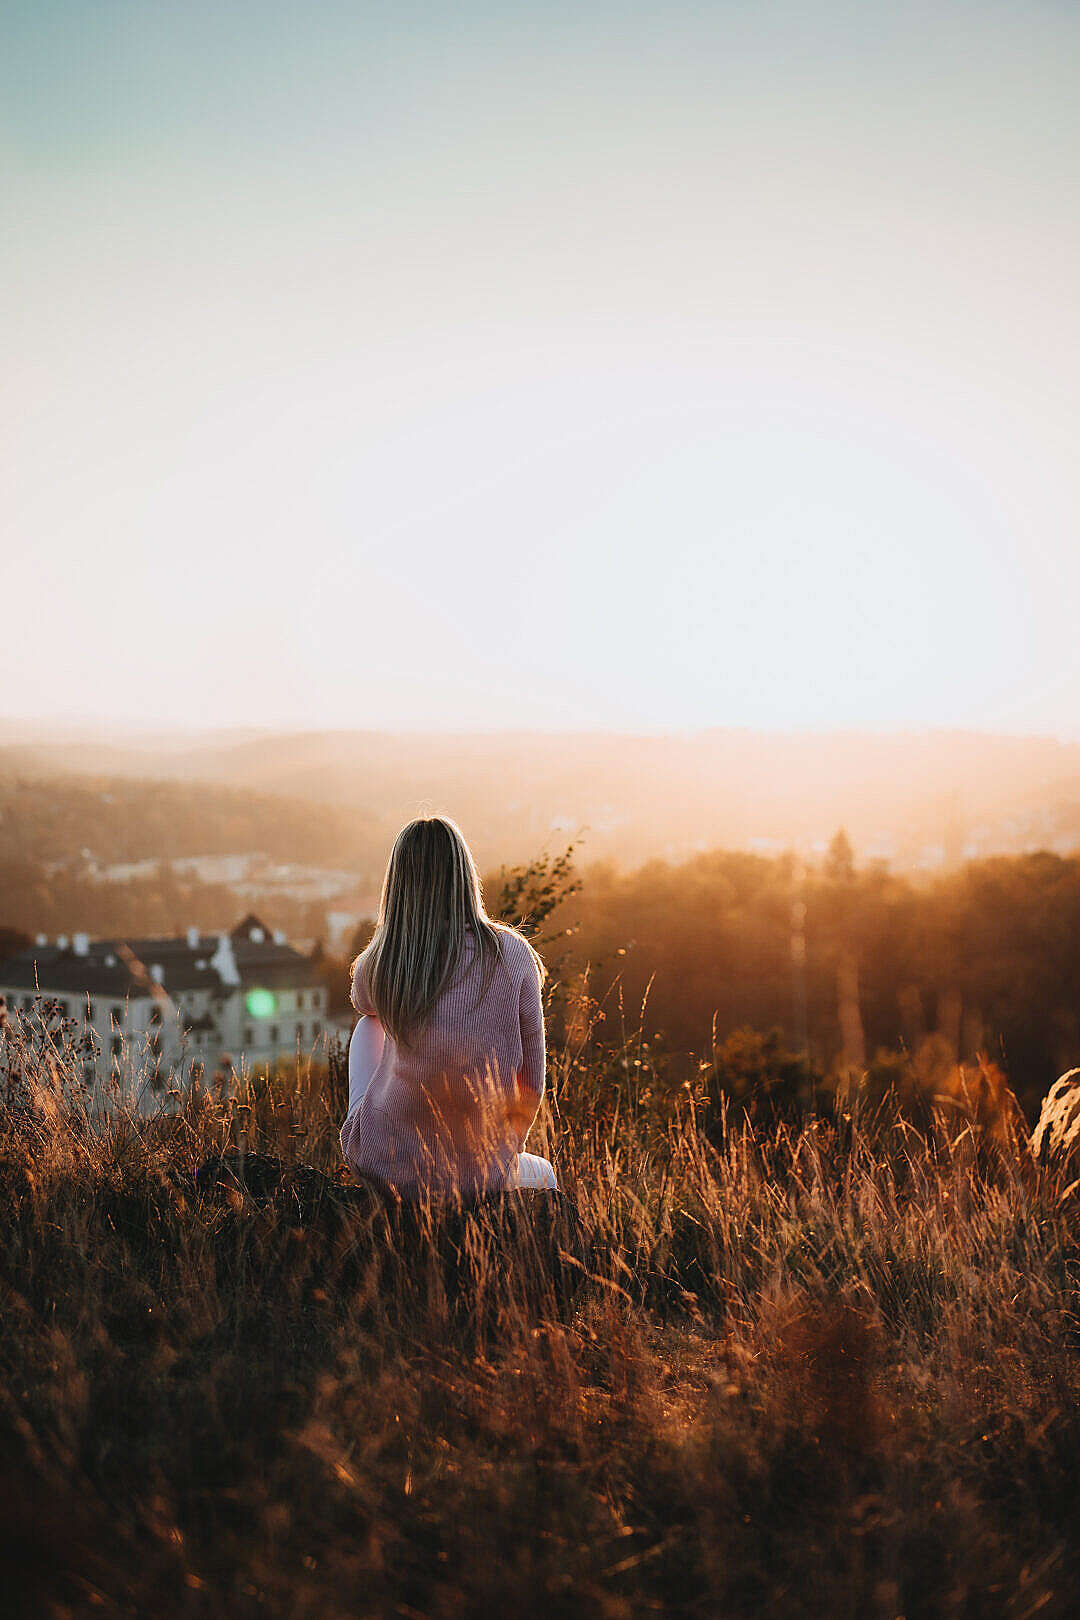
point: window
(155, 1015)
(249, 1036)
(117, 1016)
(316, 1030)
(299, 998)
(273, 1034)
(61, 1006)
(300, 1033)
(115, 1044)
(28, 1003)
(155, 1045)
(316, 1000)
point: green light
(261, 1003)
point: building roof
(120, 968)
(59, 971)
(265, 960)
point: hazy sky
(551, 365)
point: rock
(1055, 1144)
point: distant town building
(154, 1008)
(249, 873)
(340, 928)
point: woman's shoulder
(517, 953)
(360, 983)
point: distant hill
(69, 820)
(913, 798)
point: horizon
(37, 728)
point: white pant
(530, 1171)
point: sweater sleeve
(533, 1056)
(365, 1050)
(359, 993)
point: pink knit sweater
(450, 1113)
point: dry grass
(813, 1375)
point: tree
(840, 859)
(757, 1076)
(525, 896)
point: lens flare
(261, 1003)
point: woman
(446, 1064)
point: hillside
(917, 799)
(71, 819)
(97, 853)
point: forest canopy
(987, 956)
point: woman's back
(449, 1112)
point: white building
(153, 1008)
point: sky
(567, 366)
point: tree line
(845, 963)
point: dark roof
(117, 967)
(63, 972)
(275, 967)
(265, 962)
(250, 927)
(185, 967)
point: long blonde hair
(431, 898)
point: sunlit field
(823, 1368)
